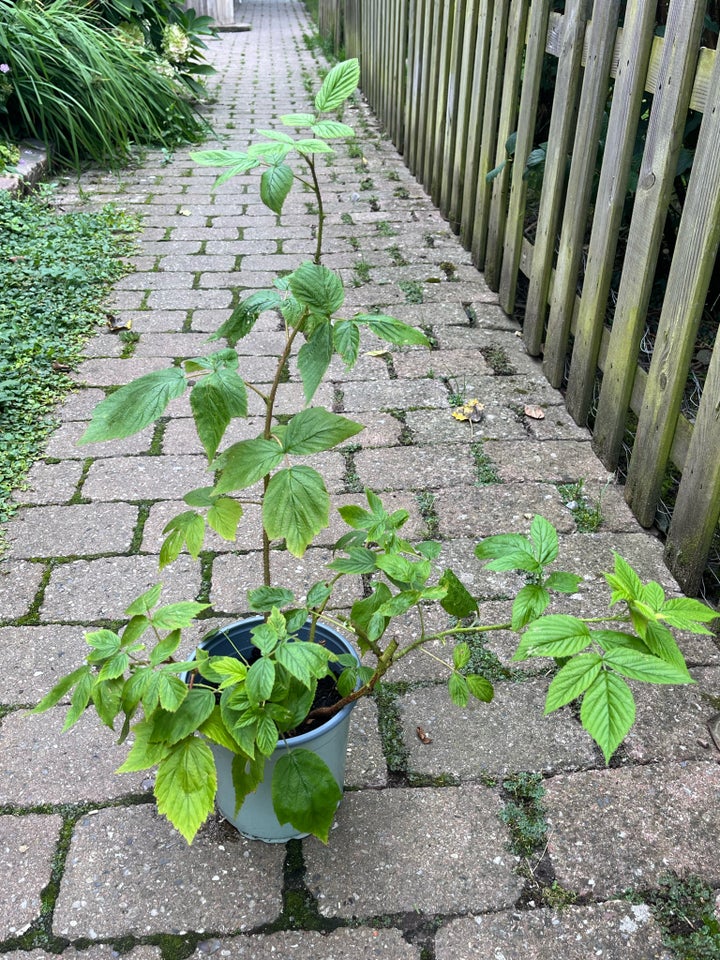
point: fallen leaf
(535, 413)
(115, 324)
(378, 353)
(184, 213)
(471, 410)
(422, 736)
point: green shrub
(82, 90)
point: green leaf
(143, 754)
(246, 462)
(134, 406)
(263, 599)
(277, 135)
(200, 497)
(523, 559)
(545, 540)
(216, 158)
(226, 671)
(260, 680)
(171, 691)
(186, 784)
(134, 629)
(79, 700)
(501, 544)
(305, 793)
(214, 729)
(654, 596)
(187, 528)
(316, 429)
(556, 635)
(104, 644)
(224, 516)
(172, 727)
(458, 600)
(314, 358)
(608, 712)
(480, 688)
(641, 666)
(662, 644)
(275, 185)
(106, 696)
(145, 602)
(177, 615)
(625, 582)
(296, 507)
(338, 85)
(572, 680)
(55, 695)
(459, 690)
(266, 736)
(461, 655)
(165, 648)
(332, 129)
(243, 318)
(358, 560)
(317, 288)
(530, 603)
(114, 667)
(312, 146)
(563, 582)
(215, 400)
(298, 119)
(304, 661)
(392, 330)
(685, 613)
(318, 594)
(346, 340)
(247, 775)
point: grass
(588, 518)
(498, 360)
(54, 271)
(524, 813)
(685, 910)
(413, 291)
(384, 229)
(485, 471)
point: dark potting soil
(326, 695)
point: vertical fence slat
(517, 28)
(454, 107)
(424, 88)
(488, 137)
(459, 158)
(602, 31)
(562, 126)
(441, 110)
(481, 55)
(432, 80)
(655, 181)
(690, 273)
(412, 106)
(619, 146)
(534, 55)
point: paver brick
(129, 872)
(145, 478)
(19, 584)
(41, 656)
(343, 944)
(27, 849)
(76, 530)
(414, 468)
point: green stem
(321, 211)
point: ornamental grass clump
(180, 711)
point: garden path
(418, 865)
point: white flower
(175, 43)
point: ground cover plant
(54, 270)
(84, 91)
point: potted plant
(239, 718)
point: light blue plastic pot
(256, 818)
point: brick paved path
(418, 864)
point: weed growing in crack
(484, 467)
(524, 813)
(497, 358)
(588, 518)
(384, 229)
(413, 291)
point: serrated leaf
(171, 727)
(296, 507)
(275, 184)
(172, 547)
(246, 462)
(247, 775)
(608, 712)
(317, 288)
(224, 516)
(134, 629)
(338, 85)
(625, 582)
(298, 119)
(260, 680)
(143, 754)
(308, 146)
(186, 784)
(200, 497)
(641, 666)
(177, 615)
(461, 655)
(79, 700)
(214, 729)
(217, 158)
(358, 560)
(346, 340)
(653, 595)
(263, 599)
(316, 429)
(458, 601)
(662, 644)
(106, 697)
(572, 680)
(63, 686)
(134, 406)
(145, 602)
(563, 582)
(104, 644)
(318, 594)
(243, 318)
(171, 691)
(266, 734)
(187, 528)
(684, 613)
(500, 544)
(392, 330)
(215, 400)
(165, 648)
(555, 635)
(277, 135)
(305, 793)
(459, 690)
(303, 660)
(523, 559)
(545, 540)
(114, 667)
(530, 603)
(331, 129)
(480, 687)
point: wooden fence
(451, 80)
